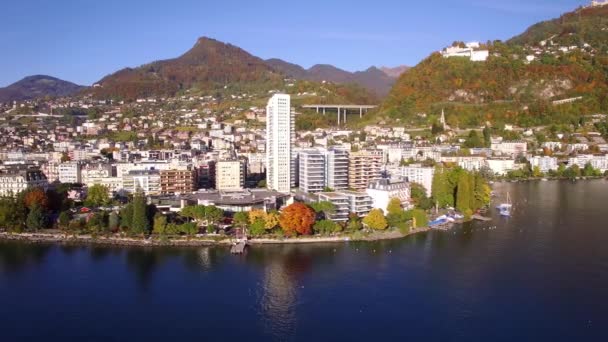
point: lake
(540, 275)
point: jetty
(239, 247)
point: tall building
(363, 168)
(70, 172)
(323, 168)
(147, 181)
(383, 191)
(280, 135)
(230, 174)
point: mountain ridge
(38, 86)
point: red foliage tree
(36, 196)
(297, 218)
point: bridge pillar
(360, 112)
(339, 110)
(323, 111)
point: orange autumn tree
(35, 196)
(297, 219)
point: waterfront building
(364, 167)
(280, 136)
(416, 173)
(597, 162)
(347, 202)
(544, 163)
(500, 166)
(16, 179)
(230, 174)
(244, 200)
(323, 168)
(382, 191)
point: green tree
(126, 216)
(375, 220)
(113, 221)
(257, 228)
(159, 226)
(326, 227)
(140, 223)
(241, 219)
(97, 196)
(419, 196)
(354, 223)
(325, 208)
(420, 218)
(394, 206)
(36, 218)
(63, 221)
(463, 194)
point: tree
(297, 218)
(473, 140)
(140, 223)
(97, 196)
(420, 218)
(325, 208)
(241, 219)
(419, 196)
(375, 220)
(326, 227)
(189, 228)
(354, 222)
(271, 220)
(463, 198)
(487, 136)
(213, 215)
(257, 228)
(113, 221)
(36, 219)
(442, 191)
(35, 197)
(98, 222)
(194, 212)
(256, 215)
(126, 216)
(394, 206)
(159, 226)
(13, 214)
(63, 221)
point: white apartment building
(14, 181)
(416, 173)
(147, 181)
(382, 191)
(544, 163)
(597, 162)
(69, 172)
(501, 166)
(347, 202)
(230, 175)
(280, 135)
(509, 148)
(321, 168)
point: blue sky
(83, 40)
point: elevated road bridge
(341, 109)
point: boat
(505, 208)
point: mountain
(521, 81)
(38, 86)
(209, 64)
(396, 71)
(372, 79)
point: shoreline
(63, 239)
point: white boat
(505, 208)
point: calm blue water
(540, 276)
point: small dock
(238, 248)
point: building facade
(16, 180)
(363, 168)
(280, 135)
(419, 174)
(383, 191)
(230, 175)
(178, 181)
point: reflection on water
(539, 275)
